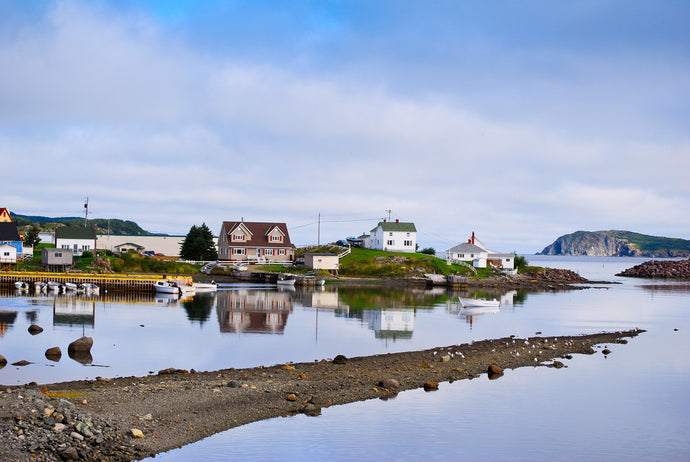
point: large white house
(78, 239)
(392, 236)
(476, 252)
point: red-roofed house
(254, 241)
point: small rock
(340, 359)
(558, 364)
(77, 436)
(568, 356)
(389, 383)
(291, 397)
(430, 386)
(288, 367)
(233, 384)
(23, 362)
(606, 351)
(311, 410)
(3, 363)
(81, 344)
(444, 358)
(54, 353)
(35, 329)
(136, 433)
(58, 427)
(69, 453)
(494, 369)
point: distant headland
(617, 244)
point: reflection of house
(78, 239)
(393, 324)
(74, 312)
(253, 311)
(393, 237)
(255, 241)
(7, 318)
(56, 259)
(474, 251)
(9, 234)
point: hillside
(617, 244)
(117, 227)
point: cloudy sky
(521, 121)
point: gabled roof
(129, 244)
(466, 248)
(259, 232)
(5, 216)
(75, 232)
(396, 226)
(9, 231)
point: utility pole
(86, 212)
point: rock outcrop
(665, 269)
(617, 244)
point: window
(408, 234)
(389, 242)
(238, 251)
(276, 238)
(7, 254)
(281, 252)
(238, 237)
(58, 254)
(65, 246)
(268, 251)
(408, 243)
(390, 234)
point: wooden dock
(111, 282)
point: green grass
(378, 263)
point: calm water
(631, 405)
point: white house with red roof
(255, 241)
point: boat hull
(473, 302)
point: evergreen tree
(199, 244)
(31, 238)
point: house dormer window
(276, 238)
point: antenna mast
(389, 214)
(86, 212)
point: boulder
(340, 359)
(606, 351)
(83, 344)
(430, 386)
(83, 357)
(54, 354)
(558, 364)
(3, 361)
(389, 384)
(35, 329)
(136, 433)
(494, 369)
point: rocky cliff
(617, 244)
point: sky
(520, 121)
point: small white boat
(204, 286)
(40, 287)
(70, 286)
(55, 286)
(166, 287)
(479, 302)
(21, 285)
(89, 288)
(286, 282)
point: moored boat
(166, 287)
(204, 286)
(21, 285)
(70, 286)
(286, 282)
(40, 287)
(89, 288)
(55, 286)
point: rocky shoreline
(661, 269)
(134, 417)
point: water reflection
(199, 307)
(7, 318)
(74, 311)
(254, 311)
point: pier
(111, 282)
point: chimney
(384, 220)
(397, 220)
(472, 237)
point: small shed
(127, 247)
(322, 261)
(56, 259)
(8, 253)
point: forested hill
(617, 244)
(117, 227)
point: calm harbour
(631, 404)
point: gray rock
(69, 453)
(81, 344)
(389, 383)
(54, 353)
(77, 436)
